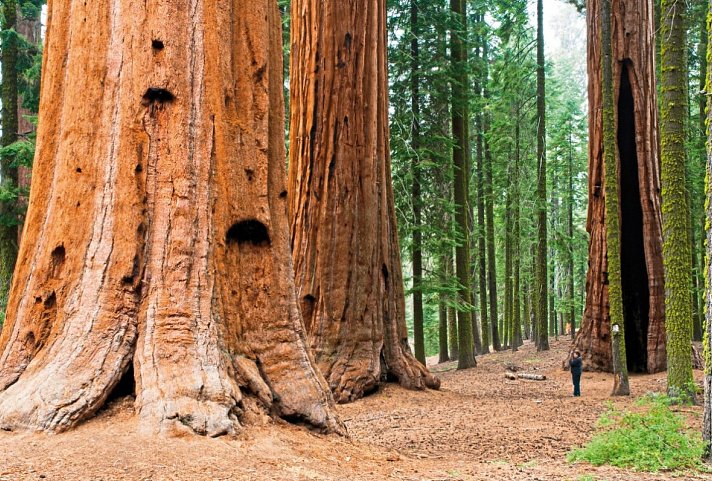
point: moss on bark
(615, 290)
(675, 202)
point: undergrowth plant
(652, 438)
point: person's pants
(577, 384)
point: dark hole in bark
(157, 44)
(308, 309)
(260, 73)
(186, 420)
(125, 387)
(51, 301)
(139, 168)
(250, 174)
(386, 374)
(384, 271)
(634, 273)
(79, 170)
(129, 279)
(283, 194)
(248, 231)
(347, 40)
(159, 95)
(58, 256)
(301, 421)
(332, 162)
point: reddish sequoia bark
(639, 166)
(157, 232)
(344, 237)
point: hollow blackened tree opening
(126, 385)
(248, 231)
(634, 273)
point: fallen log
(529, 377)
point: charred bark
(633, 51)
(156, 238)
(342, 217)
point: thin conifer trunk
(8, 171)
(460, 121)
(419, 338)
(541, 263)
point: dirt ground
(477, 427)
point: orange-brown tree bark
(343, 227)
(157, 236)
(633, 51)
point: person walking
(576, 364)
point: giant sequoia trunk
(343, 226)
(633, 51)
(156, 242)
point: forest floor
(477, 427)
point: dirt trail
(478, 427)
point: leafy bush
(653, 439)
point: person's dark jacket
(576, 366)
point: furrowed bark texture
(452, 327)
(343, 227)
(466, 322)
(516, 329)
(489, 196)
(633, 52)
(707, 343)
(571, 314)
(677, 256)
(541, 288)
(443, 334)
(612, 210)
(481, 233)
(157, 232)
(417, 250)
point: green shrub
(653, 439)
